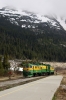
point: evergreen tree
(6, 64)
(1, 67)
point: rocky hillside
(57, 64)
(26, 19)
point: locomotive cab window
(27, 66)
(30, 67)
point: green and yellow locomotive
(30, 70)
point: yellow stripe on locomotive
(37, 69)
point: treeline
(46, 44)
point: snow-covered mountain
(29, 35)
(26, 19)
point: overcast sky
(41, 6)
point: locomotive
(30, 70)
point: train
(30, 70)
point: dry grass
(12, 77)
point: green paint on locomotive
(30, 70)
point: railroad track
(12, 83)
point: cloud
(42, 6)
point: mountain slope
(41, 40)
(27, 19)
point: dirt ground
(12, 77)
